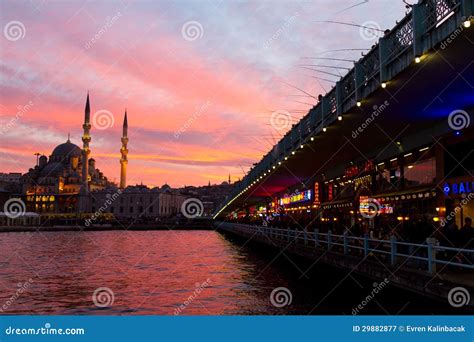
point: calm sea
(177, 272)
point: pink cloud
(217, 92)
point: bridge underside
(416, 105)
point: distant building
(211, 195)
(62, 183)
(12, 177)
(68, 185)
(138, 202)
(9, 184)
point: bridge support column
(338, 98)
(467, 8)
(418, 29)
(383, 57)
(359, 80)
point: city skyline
(274, 162)
(198, 94)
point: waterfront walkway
(428, 269)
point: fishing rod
(324, 72)
(324, 66)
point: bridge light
(359, 103)
(324, 129)
(274, 166)
(339, 117)
(384, 85)
(293, 152)
(286, 158)
(312, 138)
(417, 59)
(301, 146)
(467, 23)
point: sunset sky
(200, 79)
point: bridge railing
(428, 256)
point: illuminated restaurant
(421, 184)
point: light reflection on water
(149, 272)
(157, 272)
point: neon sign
(296, 197)
(458, 188)
(330, 192)
(317, 200)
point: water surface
(174, 272)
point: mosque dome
(66, 151)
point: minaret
(124, 152)
(86, 138)
(229, 178)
